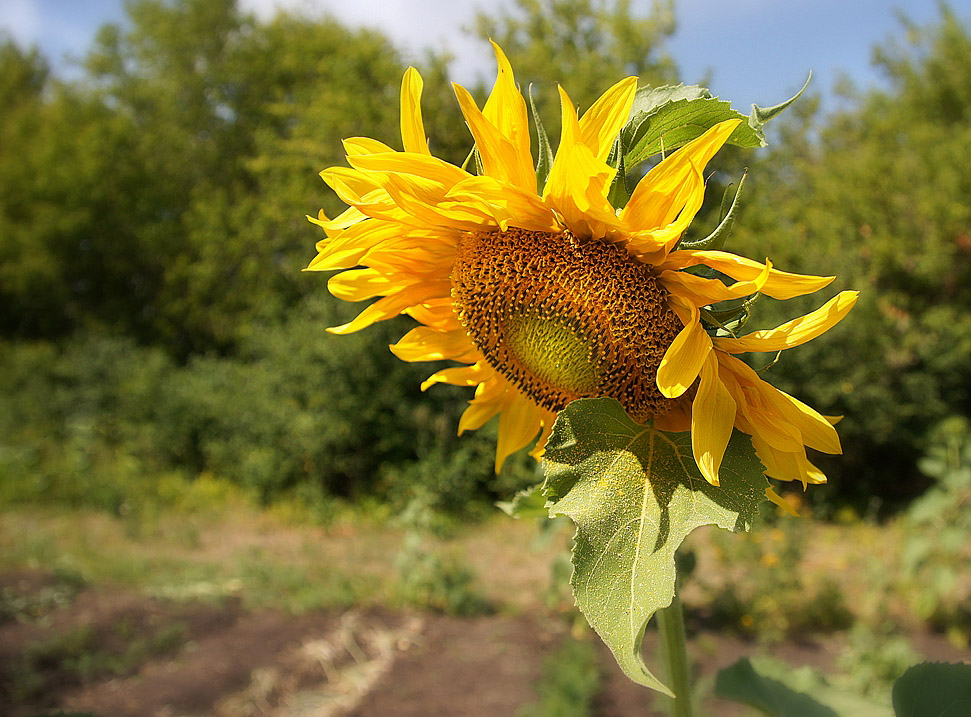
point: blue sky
(754, 50)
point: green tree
(70, 251)
(880, 199)
(584, 45)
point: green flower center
(564, 318)
(555, 354)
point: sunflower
(545, 297)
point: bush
(101, 421)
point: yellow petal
(786, 466)
(459, 376)
(601, 124)
(500, 158)
(506, 111)
(348, 246)
(359, 146)
(412, 128)
(425, 344)
(702, 292)
(781, 502)
(668, 188)
(687, 198)
(348, 218)
(512, 205)
(780, 285)
(519, 423)
(350, 185)
(359, 284)
(712, 419)
(390, 306)
(687, 353)
(428, 208)
(437, 171)
(578, 182)
(795, 332)
(815, 429)
(548, 418)
(437, 313)
(487, 403)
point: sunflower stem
(674, 657)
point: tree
(880, 200)
(584, 45)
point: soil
(117, 654)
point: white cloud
(412, 25)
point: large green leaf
(933, 690)
(778, 689)
(665, 118)
(634, 494)
(527, 503)
(677, 115)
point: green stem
(674, 657)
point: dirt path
(74, 648)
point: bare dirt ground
(117, 654)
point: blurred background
(188, 459)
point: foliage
(772, 597)
(634, 494)
(874, 658)
(429, 579)
(571, 680)
(16, 605)
(875, 195)
(101, 421)
(936, 555)
(156, 326)
(778, 690)
(83, 655)
(932, 690)
(581, 44)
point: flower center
(564, 318)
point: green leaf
(545, 160)
(676, 116)
(741, 683)
(634, 493)
(666, 118)
(648, 99)
(761, 115)
(527, 503)
(933, 690)
(780, 690)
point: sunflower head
(540, 299)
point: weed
(80, 656)
(15, 605)
(570, 682)
(775, 598)
(874, 658)
(937, 553)
(428, 579)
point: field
(250, 612)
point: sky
(752, 50)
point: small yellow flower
(769, 559)
(546, 298)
